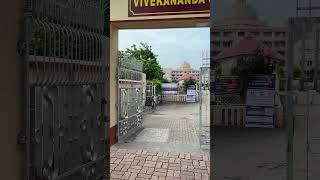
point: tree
(164, 80)
(246, 67)
(188, 82)
(144, 54)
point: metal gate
(204, 103)
(305, 102)
(150, 95)
(130, 97)
(64, 51)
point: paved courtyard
(173, 127)
(167, 147)
(143, 164)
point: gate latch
(22, 138)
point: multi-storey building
(185, 68)
(241, 19)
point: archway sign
(167, 7)
(148, 14)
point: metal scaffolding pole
(316, 57)
(290, 103)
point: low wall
(174, 98)
(229, 115)
(235, 115)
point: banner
(227, 85)
(261, 82)
(169, 89)
(167, 7)
(260, 101)
(192, 94)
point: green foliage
(247, 67)
(144, 53)
(187, 83)
(165, 80)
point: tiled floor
(143, 164)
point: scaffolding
(304, 34)
(204, 100)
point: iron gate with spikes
(64, 52)
(131, 97)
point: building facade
(185, 68)
(240, 19)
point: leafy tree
(188, 82)
(165, 80)
(144, 53)
(247, 67)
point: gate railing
(174, 98)
(229, 115)
(130, 112)
(63, 50)
(130, 97)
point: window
(267, 34)
(255, 34)
(241, 34)
(279, 44)
(227, 34)
(309, 63)
(227, 44)
(280, 34)
(216, 34)
(268, 43)
(216, 43)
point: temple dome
(185, 66)
(241, 11)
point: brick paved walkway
(142, 164)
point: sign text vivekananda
(166, 7)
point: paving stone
(159, 174)
(161, 170)
(126, 175)
(133, 176)
(172, 178)
(176, 174)
(133, 170)
(197, 175)
(170, 173)
(154, 178)
(119, 167)
(142, 175)
(159, 165)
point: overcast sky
(174, 46)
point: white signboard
(260, 97)
(260, 101)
